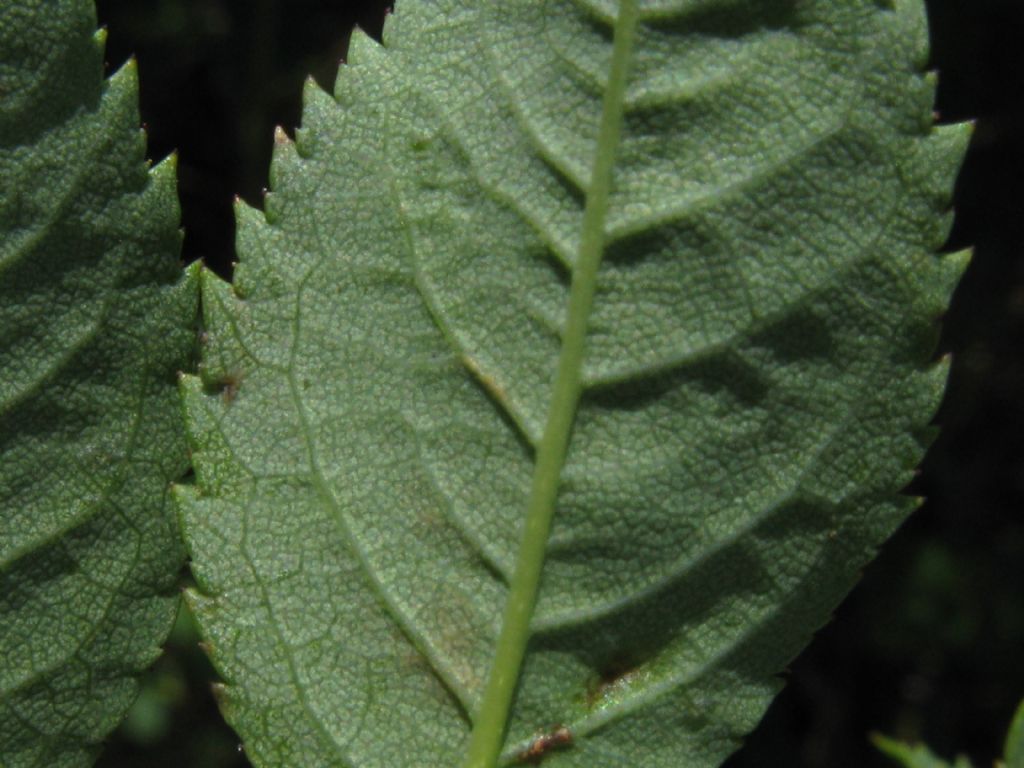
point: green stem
(491, 718)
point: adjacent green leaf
(94, 324)
(921, 757)
(390, 383)
(1014, 750)
(915, 756)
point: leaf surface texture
(95, 322)
(756, 379)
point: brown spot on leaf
(229, 386)
(559, 737)
(613, 678)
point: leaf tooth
(363, 50)
(363, 69)
(192, 392)
(218, 470)
(285, 158)
(212, 516)
(165, 172)
(951, 268)
(99, 40)
(121, 103)
(247, 216)
(913, 22)
(161, 194)
(203, 608)
(250, 224)
(226, 357)
(271, 212)
(185, 496)
(931, 385)
(281, 140)
(126, 77)
(224, 695)
(318, 106)
(318, 109)
(942, 153)
(257, 270)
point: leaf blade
(89, 427)
(736, 409)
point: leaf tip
(99, 38)
(361, 47)
(193, 272)
(131, 69)
(310, 90)
(166, 170)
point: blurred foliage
(919, 756)
(175, 721)
(916, 756)
(930, 646)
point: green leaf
(1014, 750)
(921, 757)
(915, 756)
(694, 245)
(95, 321)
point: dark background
(930, 645)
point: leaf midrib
(491, 718)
